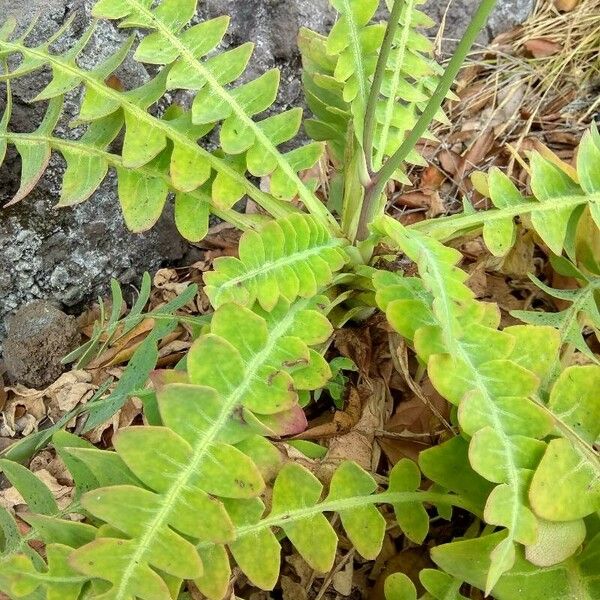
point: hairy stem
(372, 203)
(337, 506)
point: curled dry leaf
(343, 420)
(168, 281)
(342, 580)
(123, 418)
(25, 408)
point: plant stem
(384, 55)
(393, 498)
(373, 194)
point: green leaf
(588, 163)
(556, 542)
(476, 367)
(35, 157)
(565, 487)
(412, 517)
(257, 554)
(365, 525)
(574, 400)
(215, 578)
(35, 493)
(60, 581)
(192, 216)
(550, 213)
(399, 587)
(568, 322)
(448, 465)
(547, 182)
(142, 199)
(313, 537)
(441, 585)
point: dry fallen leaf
(359, 443)
(292, 590)
(566, 5)
(541, 47)
(342, 580)
(343, 420)
(436, 206)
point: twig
(332, 573)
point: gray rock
(457, 14)
(39, 335)
(69, 255)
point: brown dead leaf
(223, 237)
(26, 408)
(519, 262)
(566, 5)
(292, 590)
(356, 344)
(450, 161)
(413, 200)
(342, 580)
(123, 418)
(359, 443)
(477, 153)
(413, 426)
(112, 81)
(436, 206)
(343, 420)
(168, 280)
(432, 178)
(542, 47)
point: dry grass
(543, 76)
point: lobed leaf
(574, 578)
(206, 458)
(162, 154)
(287, 258)
(478, 368)
(560, 194)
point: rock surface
(69, 255)
(39, 335)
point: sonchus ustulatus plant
(201, 489)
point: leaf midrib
(116, 161)
(348, 504)
(391, 100)
(460, 223)
(459, 350)
(357, 52)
